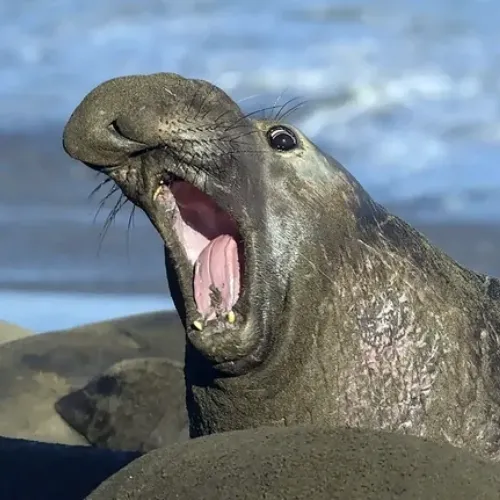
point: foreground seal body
(303, 299)
(36, 371)
(299, 462)
(305, 462)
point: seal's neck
(363, 339)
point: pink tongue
(217, 267)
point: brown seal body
(36, 371)
(304, 301)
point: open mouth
(212, 246)
(210, 211)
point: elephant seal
(36, 371)
(302, 462)
(49, 471)
(10, 332)
(137, 404)
(303, 299)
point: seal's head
(236, 200)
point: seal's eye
(282, 138)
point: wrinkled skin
(348, 316)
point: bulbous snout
(122, 117)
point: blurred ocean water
(403, 92)
(54, 311)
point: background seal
(38, 370)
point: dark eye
(281, 138)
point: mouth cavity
(212, 245)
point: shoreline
(48, 311)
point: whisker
(218, 119)
(99, 187)
(278, 99)
(205, 100)
(122, 200)
(246, 133)
(111, 192)
(248, 115)
(129, 226)
(283, 106)
(281, 117)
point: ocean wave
(404, 93)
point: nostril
(114, 127)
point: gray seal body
(344, 314)
(301, 462)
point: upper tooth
(231, 317)
(157, 191)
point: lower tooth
(198, 325)
(231, 317)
